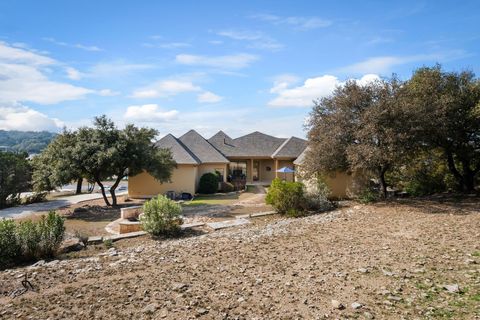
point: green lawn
(212, 200)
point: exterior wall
(145, 186)
(341, 184)
(267, 176)
(211, 167)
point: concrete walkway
(25, 210)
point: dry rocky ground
(399, 260)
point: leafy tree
(104, 151)
(359, 127)
(445, 108)
(15, 173)
(57, 165)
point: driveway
(25, 210)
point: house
(255, 157)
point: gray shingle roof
(255, 144)
(180, 154)
(291, 148)
(201, 148)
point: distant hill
(28, 141)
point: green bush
(368, 196)
(226, 187)
(9, 248)
(287, 197)
(208, 183)
(29, 240)
(161, 216)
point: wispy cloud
(72, 45)
(299, 23)
(115, 68)
(167, 45)
(385, 64)
(165, 88)
(255, 39)
(208, 97)
(234, 61)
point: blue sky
(213, 65)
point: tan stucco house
(255, 157)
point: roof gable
(180, 154)
(201, 148)
(291, 148)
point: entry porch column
(276, 168)
(251, 170)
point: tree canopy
(389, 124)
(102, 152)
(15, 174)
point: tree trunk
(79, 186)
(102, 188)
(383, 183)
(113, 188)
(454, 171)
(468, 176)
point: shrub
(29, 240)
(286, 197)
(161, 216)
(9, 249)
(226, 187)
(368, 196)
(208, 183)
(317, 196)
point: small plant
(108, 243)
(208, 183)
(287, 197)
(226, 187)
(368, 196)
(82, 237)
(161, 216)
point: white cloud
(23, 77)
(73, 45)
(255, 39)
(208, 97)
(108, 93)
(312, 89)
(149, 113)
(165, 88)
(73, 73)
(10, 54)
(300, 23)
(18, 117)
(236, 61)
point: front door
(256, 170)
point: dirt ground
(396, 260)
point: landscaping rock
(337, 305)
(356, 305)
(452, 288)
(73, 244)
